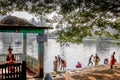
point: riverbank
(101, 72)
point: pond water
(72, 53)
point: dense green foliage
(83, 17)
(39, 6)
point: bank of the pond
(102, 72)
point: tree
(83, 17)
(38, 6)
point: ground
(101, 72)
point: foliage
(38, 6)
(83, 17)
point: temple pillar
(41, 56)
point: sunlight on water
(72, 53)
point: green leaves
(116, 36)
(74, 34)
(81, 16)
(66, 5)
(88, 23)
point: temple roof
(15, 23)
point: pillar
(24, 46)
(41, 57)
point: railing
(15, 71)
(3, 57)
(31, 62)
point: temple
(12, 24)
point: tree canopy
(82, 18)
